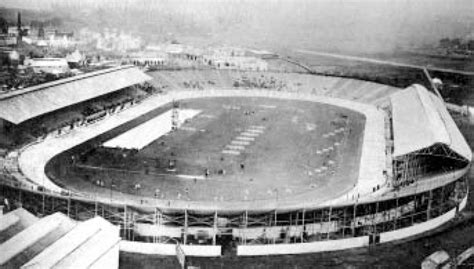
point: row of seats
(346, 88)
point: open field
(251, 148)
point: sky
(372, 25)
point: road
(377, 61)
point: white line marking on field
(231, 152)
(258, 131)
(191, 177)
(243, 143)
(235, 147)
(249, 134)
(245, 138)
(191, 129)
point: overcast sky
(364, 24)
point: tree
(3, 26)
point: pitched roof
(421, 120)
(34, 101)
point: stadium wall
(77, 209)
(169, 249)
(279, 249)
(422, 227)
(348, 243)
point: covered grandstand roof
(34, 101)
(421, 120)
(29, 242)
(83, 246)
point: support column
(96, 207)
(19, 197)
(124, 222)
(43, 202)
(354, 221)
(274, 239)
(344, 223)
(374, 219)
(329, 221)
(215, 229)
(69, 205)
(159, 219)
(246, 221)
(396, 214)
(302, 225)
(185, 235)
(428, 211)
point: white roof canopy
(421, 120)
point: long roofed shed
(21, 105)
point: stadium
(225, 162)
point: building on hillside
(54, 66)
(8, 40)
(148, 61)
(226, 52)
(61, 40)
(262, 54)
(239, 63)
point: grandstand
(410, 178)
(331, 86)
(79, 99)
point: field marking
(257, 131)
(235, 147)
(231, 152)
(144, 134)
(191, 129)
(245, 138)
(249, 134)
(191, 177)
(242, 143)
